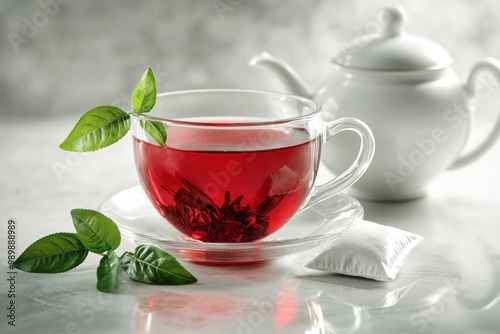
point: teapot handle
(492, 66)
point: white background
(84, 53)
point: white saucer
(140, 223)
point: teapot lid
(393, 49)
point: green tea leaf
(54, 253)
(108, 272)
(97, 128)
(156, 130)
(144, 94)
(152, 265)
(96, 231)
(125, 260)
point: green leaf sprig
(100, 127)
(96, 233)
(105, 125)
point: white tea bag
(368, 250)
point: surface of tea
(228, 184)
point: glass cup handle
(357, 168)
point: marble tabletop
(450, 283)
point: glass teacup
(238, 164)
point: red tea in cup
(229, 185)
(237, 165)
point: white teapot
(404, 88)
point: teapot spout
(285, 73)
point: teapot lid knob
(395, 17)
